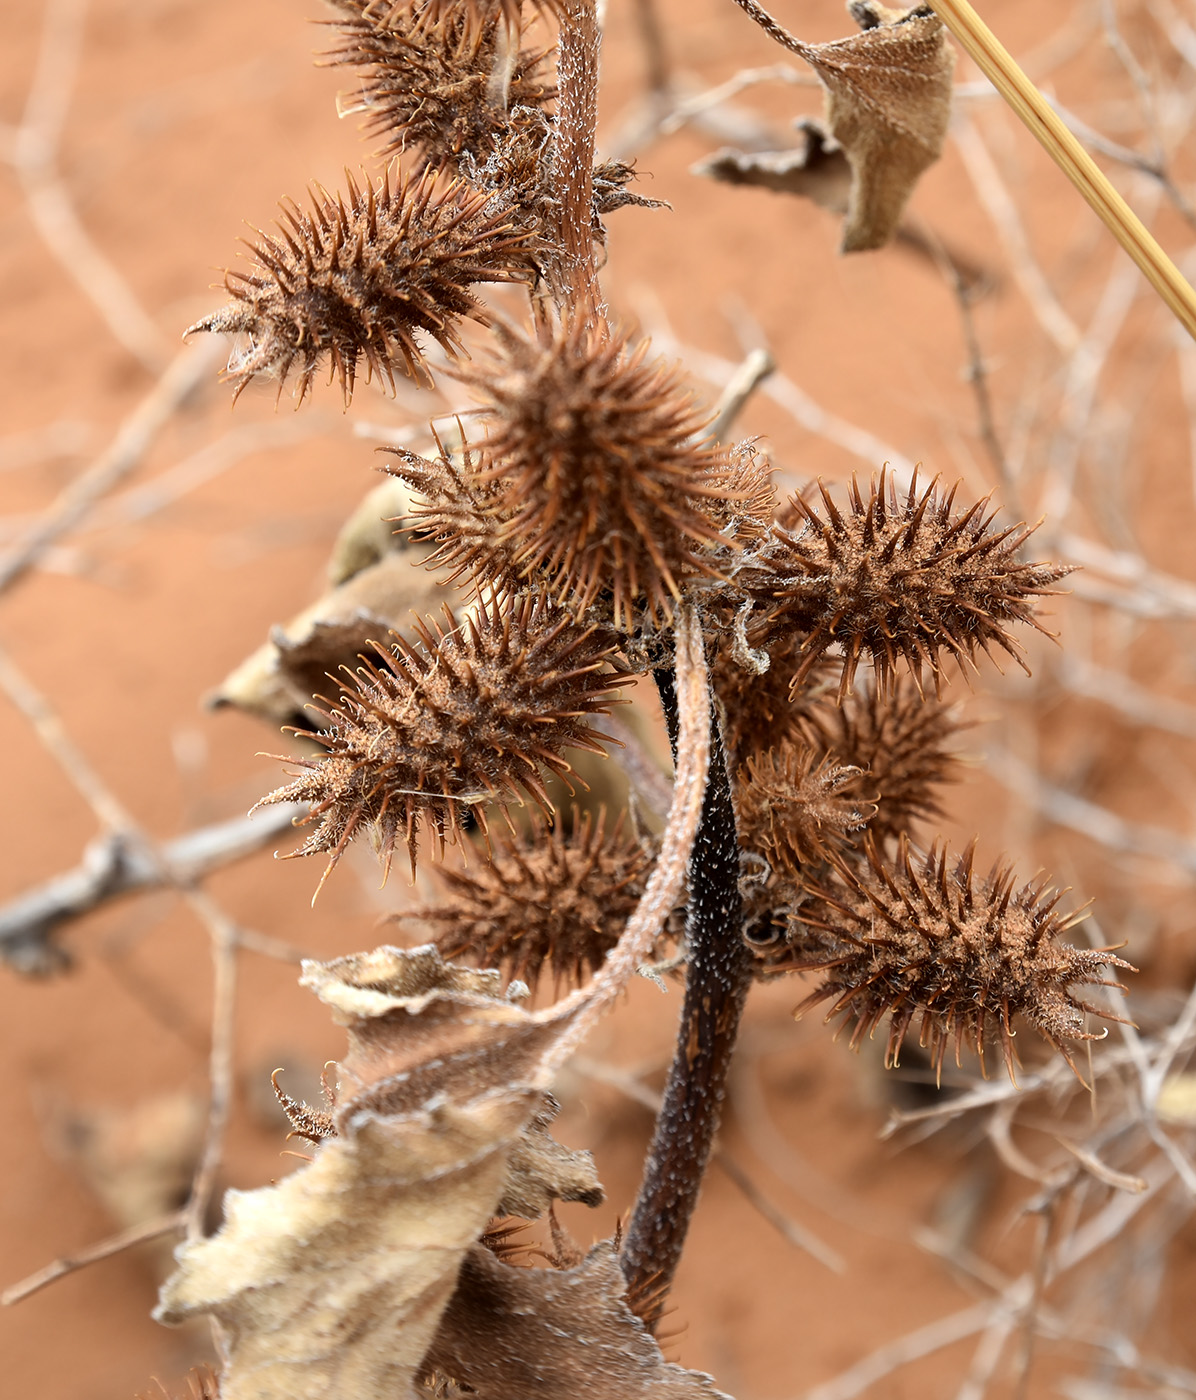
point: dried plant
(593, 478)
(923, 937)
(609, 535)
(366, 280)
(896, 580)
(546, 898)
(588, 513)
(484, 709)
(442, 86)
(797, 807)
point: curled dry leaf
(573, 1322)
(332, 1282)
(817, 168)
(888, 103)
(278, 680)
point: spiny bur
(546, 899)
(901, 741)
(480, 713)
(367, 280)
(760, 710)
(602, 482)
(897, 578)
(921, 937)
(794, 806)
(439, 88)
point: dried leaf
(817, 169)
(540, 1334)
(332, 1282)
(419, 1026)
(888, 103)
(283, 675)
(540, 1171)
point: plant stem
(1048, 128)
(573, 158)
(719, 974)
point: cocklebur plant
(799, 651)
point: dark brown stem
(719, 974)
(573, 157)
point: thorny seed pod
(601, 484)
(760, 710)
(795, 807)
(544, 899)
(364, 280)
(483, 710)
(443, 87)
(899, 740)
(896, 579)
(431, 13)
(917, 937)
(455, 508)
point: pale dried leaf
(540, 1171)
(332, 1282)
(817, 169)
(277, 680)
(419, 1026)
(888, 105)
(374, 530)
(545, 1334)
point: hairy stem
(573, 159)
(715, 990)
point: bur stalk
(719, 974)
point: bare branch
(105, 1249)
(113, 866)
(34, 154)
(188, 369)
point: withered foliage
(363, 279)
(479, 712)
(575, 1322)
(888, 106)
(333, 1280)
(363, 1272)
(897, 578)
(547, 899)
(923, 937)
(443, 87)
(588, 511)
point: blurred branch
(223, 933)
(34, 155)
(1123, 694)
(1063, 148)
(1099, 824)
(105, 1249)
(808, 414)
(189, 368)
(1001, 209)
(113, 866)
